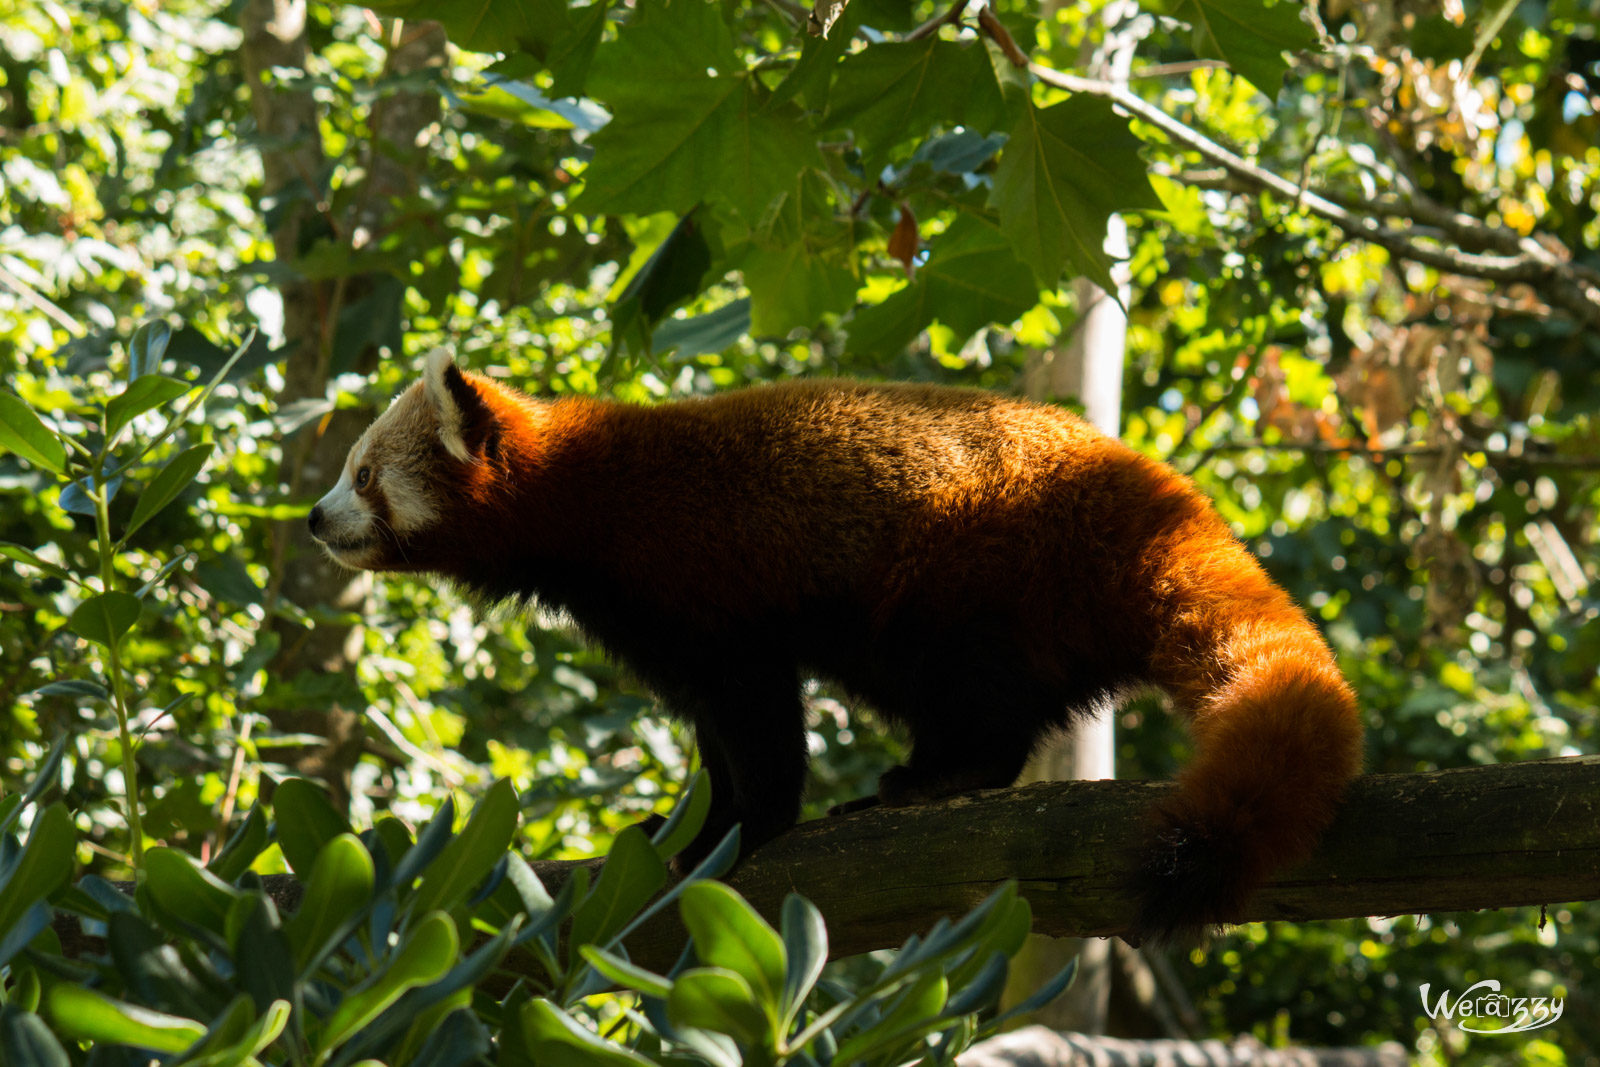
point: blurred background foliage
(1412, 450)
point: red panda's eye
(363, 476)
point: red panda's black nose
(315, 521)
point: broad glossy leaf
(425, 956)
(1064, 171)
(473, 853)
(74, 687)
(552, 1036)
(85, 1015)
(259, 938)
(805, 946)
(625, 973)
(152, 969)
(22, 432)
(697, 127)
(1249, 35)
(140, 396)
(915, 1012)
(168, 483)
(305, 822)
(972, 278)
(719, 1000)
(632, 874)
(241, 1034)
(44, 866)
(339, 887)
(729, 933)
(715, 331)
(105, 617)
(147, 349)
(17, 937)
(186, 890)
(982, 989)
(687, 817)
(246, 843)
(25, 1039)
(892, 93)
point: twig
(39, 303)
(933, 25)
(1565, 285)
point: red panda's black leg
(947, 762)
(750, 732)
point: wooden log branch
(1457, 840)
(1460, 840)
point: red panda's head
(410, 473)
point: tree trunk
(294, 165)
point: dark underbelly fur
(972, 704)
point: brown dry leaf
(904, 242)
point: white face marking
(366, 527)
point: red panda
(980, 570)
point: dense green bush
(447, 949)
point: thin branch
(933, 25)
(1494, 457)
(1532, 263)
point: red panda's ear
(464, 419)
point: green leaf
(305, 823)
(85, 1015)
(690, 122)
(105, 617)
(32, 559)
(167, 484)
(44, 866)
(572, 54)
(424, 957)
(340, 886)
(719, 1000)
(472, 854)
(552, 1036)
(240, 1034)
(915, 1012)
(1249, 35)
(632, 874)
(45, 776)
(22, 432)
(972, 278)
(805, 946)
(487, 25)
(729, 933)
(147, 349)
(715, 331)
(74, 687)
(186, 890)
(25, 1039)
(687, 817)
(625, 973)
(140, 396)
(896, 92)
(1064, 171)
(669, 277)
(242, 848)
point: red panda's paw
(1190, 882)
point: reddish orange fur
(978, 568)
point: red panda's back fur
(978, 569)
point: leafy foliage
(1408, 440)
(395, 936)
